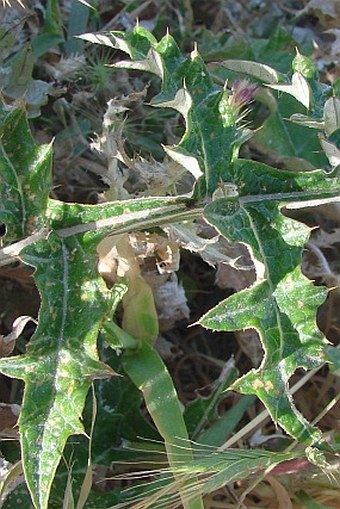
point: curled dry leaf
(155, 252)
(250, 345)
(107, 263)
(139, 312)
(228, 276)
(155, 256)
(200, 238)
(157, 178)
(159, 259)
(110, 145)
(149, 262)
(7, 343)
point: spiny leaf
(136, 43)
(117, 217)
(282, 304)
(25, 176)
(61, 359)
(188, 88)
(260, 71)
(294, 145)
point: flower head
(242, 94)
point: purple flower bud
(242, 93)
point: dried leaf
(140, 317)
(155, 252)
(283, 498)
(202, 239)
(228, 276)
(7, 343)
(171, 303)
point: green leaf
(136, 43)
(61, 359)
(299, 89)
(121, 415)
(118, 217)
(331, 150)
(37, 96)
(304, 66)
(7, 41)
(260, 71)
(233, 465)
(147, 370)
(225, 425)
(19, 497)
(199, 412)
(282, 304)
(77, 24)
(25, 176)
(18, 82)
(21, 73)
(332, 115)
(188, 88)
(308, 501)
(295, 145)
(52, 33)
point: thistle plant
(242, 199)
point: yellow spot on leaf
(258, 384)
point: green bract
(304, 66)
